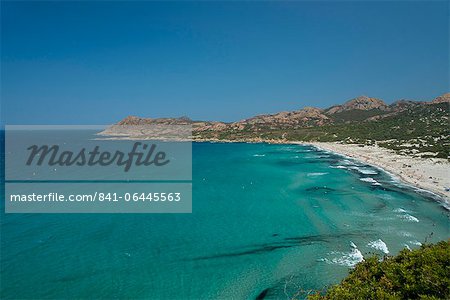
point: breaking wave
(408, 217)
(379, 245)
(415, 243)
(364, 171)
(338, 167)
(349, 259)
(400, 210)
(370, 180)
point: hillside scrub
(418, 274)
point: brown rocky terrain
(361, 108)
(403, 104)
(308, 116)
(134, 121)
(442, 99)
(359, 103)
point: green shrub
(419, 274)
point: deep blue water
(273, 218)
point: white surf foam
(408, 217)
(349, 259)
(338, 167)
(370, 180)
(379, 245)
(415, 243)
(316, 174)
(364, 171)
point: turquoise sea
(268, 221)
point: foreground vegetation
(419, 274)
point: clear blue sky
(97, 62)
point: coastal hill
(441, 99)
(359, 103)
(410, 127)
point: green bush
(419, 274)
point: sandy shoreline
(431, 174)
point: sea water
(268, 221)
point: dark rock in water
(262, 295)
(275, 234)
(325, 238)
(258, 250)
(379, 207)
(320, 188)
(287, 242)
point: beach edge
(409, 170)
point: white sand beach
(431, 174)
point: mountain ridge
(304, 117)
(418, 128)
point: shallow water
(271, 219)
